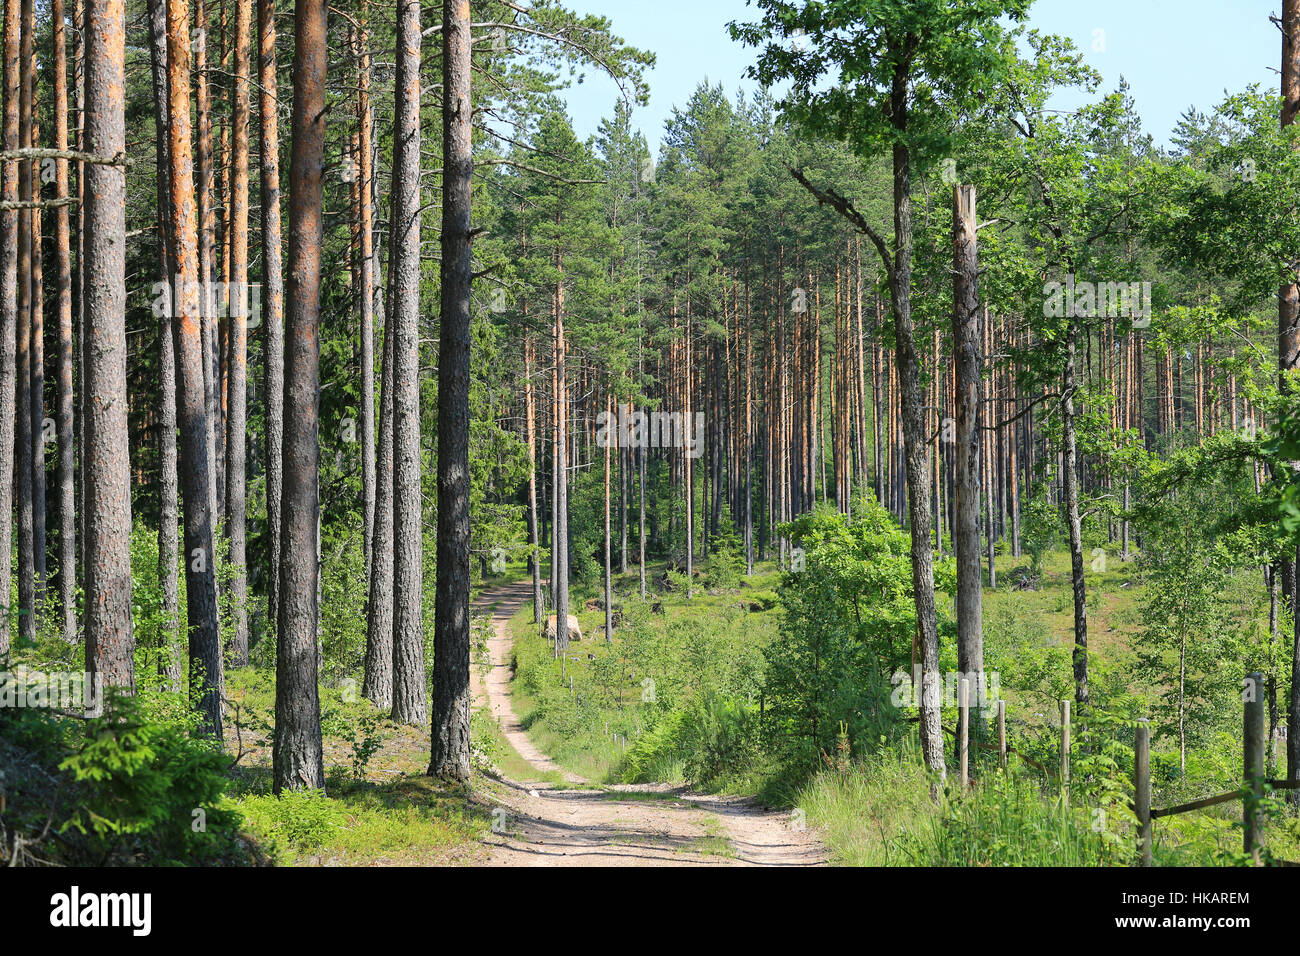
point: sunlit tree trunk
(272, 295)
(8, 307)
(409, 675)
(191, 399)
(110, 644)
(168, 517)
(297, 753)
(237, 358)
(451, 693)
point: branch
(845, 207)
(33, 152)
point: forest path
(625, 825)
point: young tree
(297, 753)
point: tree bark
(272, 297)
(451, 694)
(190, 357)
(237, 358)
(409, 677)
(110, 643)
(63, 267)
(367, 292)
(967, 339)
(23, 354)
(297, 753)
(378, 682)
(8, 307)
(168, 505)
(914, 440)
(1070, 486)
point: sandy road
(547, 825)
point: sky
(1174, 53)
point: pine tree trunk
(297, 752)
(190, 358)
(451, 694)
(409, 678)
(110, 644)
(272, 298)
(237, 358)
(378, 681)
(207, 255)
(8, 309)
(966, 335)
(63, 268)
(168, 505)
(367, 293)
(530, 431)
(23, 355)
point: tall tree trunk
(530, 430)
(609, 587)
(110, 644)
(207, 255)
(409, 678)
(378, 682)
(1289, 356)
(237, 359)
(37, 358)
(23, 355)
(1070, 484)
(367, 292)
(8, 308)
(967, 339)
(451, 693)
(297, 754)
(560, 453)
(63, 267)
(190, 357)
(914, 440)
(168, 517)
(272, 296)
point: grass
(379, 807)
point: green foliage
(152, 780)
(296, 819)
(847, 627)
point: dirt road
(544, 824)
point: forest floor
(556, 818)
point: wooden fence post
(1065, 745)
(1002, 734)
(1253, 746)
(963, 733)
(1142, 789)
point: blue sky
(1174, 53)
